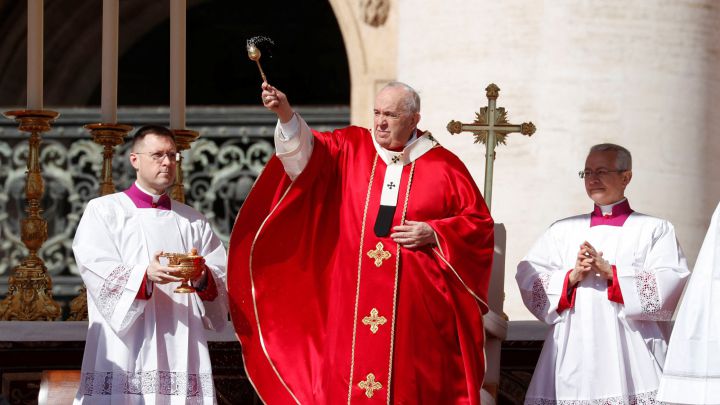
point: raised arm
(293, 137)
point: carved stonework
(375, 12)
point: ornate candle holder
(29, 296)
(108, 136)
(188, 266)
(183, 139)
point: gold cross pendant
(379, 254)
(370, 385)
(374, 320)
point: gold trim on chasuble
(370, 385)
(257, 316)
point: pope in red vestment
(359, 264)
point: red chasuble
(327, 312)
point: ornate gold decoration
(375, 12)
(108, 136)
(490, 128)
(78, 306)
(370, 385)
(29, 296)
(492, 91)
(183, 139)
(411, 176)
(374, 320)
(188, 266)
(359, 276)
(501, 125)
(379, 254)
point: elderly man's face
(603, 183)
(393, 124)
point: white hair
(623, 159)
(410, 102)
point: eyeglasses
(159, 157)
(599, 173)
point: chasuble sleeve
(294, 143)
(653, 279)
(112, 282)
(541, 277)
(465, 236)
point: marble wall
(644, 74)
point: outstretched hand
(413, 234)
(159, 274)
(277, 102)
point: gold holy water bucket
(188, 266)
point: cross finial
(491, 127)
(370, 385)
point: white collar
(155, 197)
(607, 209)
(414, 148)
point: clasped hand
(589, 261)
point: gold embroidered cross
(374, 320)
(370, 385)
(379, 254)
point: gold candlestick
(109, 136)
(183, 139)
(29, 295)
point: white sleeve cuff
(294, 146)
(290, 129)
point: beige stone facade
(642, 74)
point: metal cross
(374, 320)
(379, 254)
(490, 127)
(370, 385)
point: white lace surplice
(145, 351)
(692, 370)
(601, 351)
